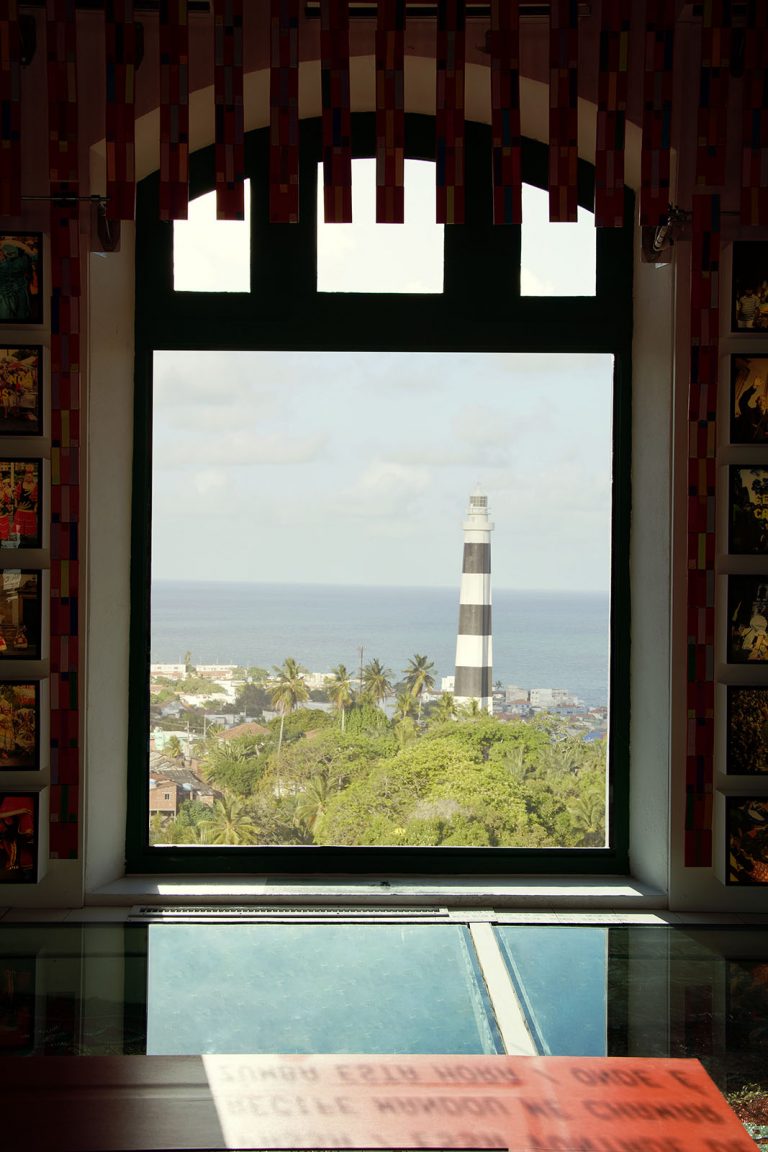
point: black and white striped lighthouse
(474, 643)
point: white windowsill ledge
(458, 892)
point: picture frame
(747, 620)
(21, 278)
(19, 834)
(748, 510)
(20, 614)
(19, 725)
(749, 400)
(746, 740)
(21, 408)
(20, 502)
(746, 840)
(749, 312)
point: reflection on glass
(316, 988)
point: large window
(304, 463)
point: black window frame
(480, 310)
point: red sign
(537, 1103)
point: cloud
(385, 490)
(241, 448)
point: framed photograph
(746, 742)
(747, 843)
(748, 619)
(21, 289)
(17, 1005)
(20, 614)
(18, 837)
(748, 521)
(19, 724)
(21, 410)
(20, 520)
(750, 286)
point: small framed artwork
(20, 484)
(19, 724)
(21, 289)
(20, 391)
(747, 844)
(748, 527)
(18, 837)
(746, 746)
(20, 614)
(750, 286)
(748, 619)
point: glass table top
(97, 989)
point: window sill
(485, 892)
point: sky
(356, 468)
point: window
(367, 257)
(211, 255)
(239, 407)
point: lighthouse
(474, 643)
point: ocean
(540, 639)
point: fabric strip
(449, 118)
(505, 113)
(174, 110)
(563, 110)
(713, 93)
(337, 121)
(390, 112)
(655, 191)
(121, 59)
(228, 99)
(754, 126)
(284, 112)
(10, 109)
(611, 114)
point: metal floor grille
(167, 913)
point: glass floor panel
(405, 988)
(560, 977)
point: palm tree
(445, 709)
(230, 822)
(376, 683)
(405, 706)
(289, 691)
(174, 749)
(418, 677)
(339, 688)
(314, 799)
